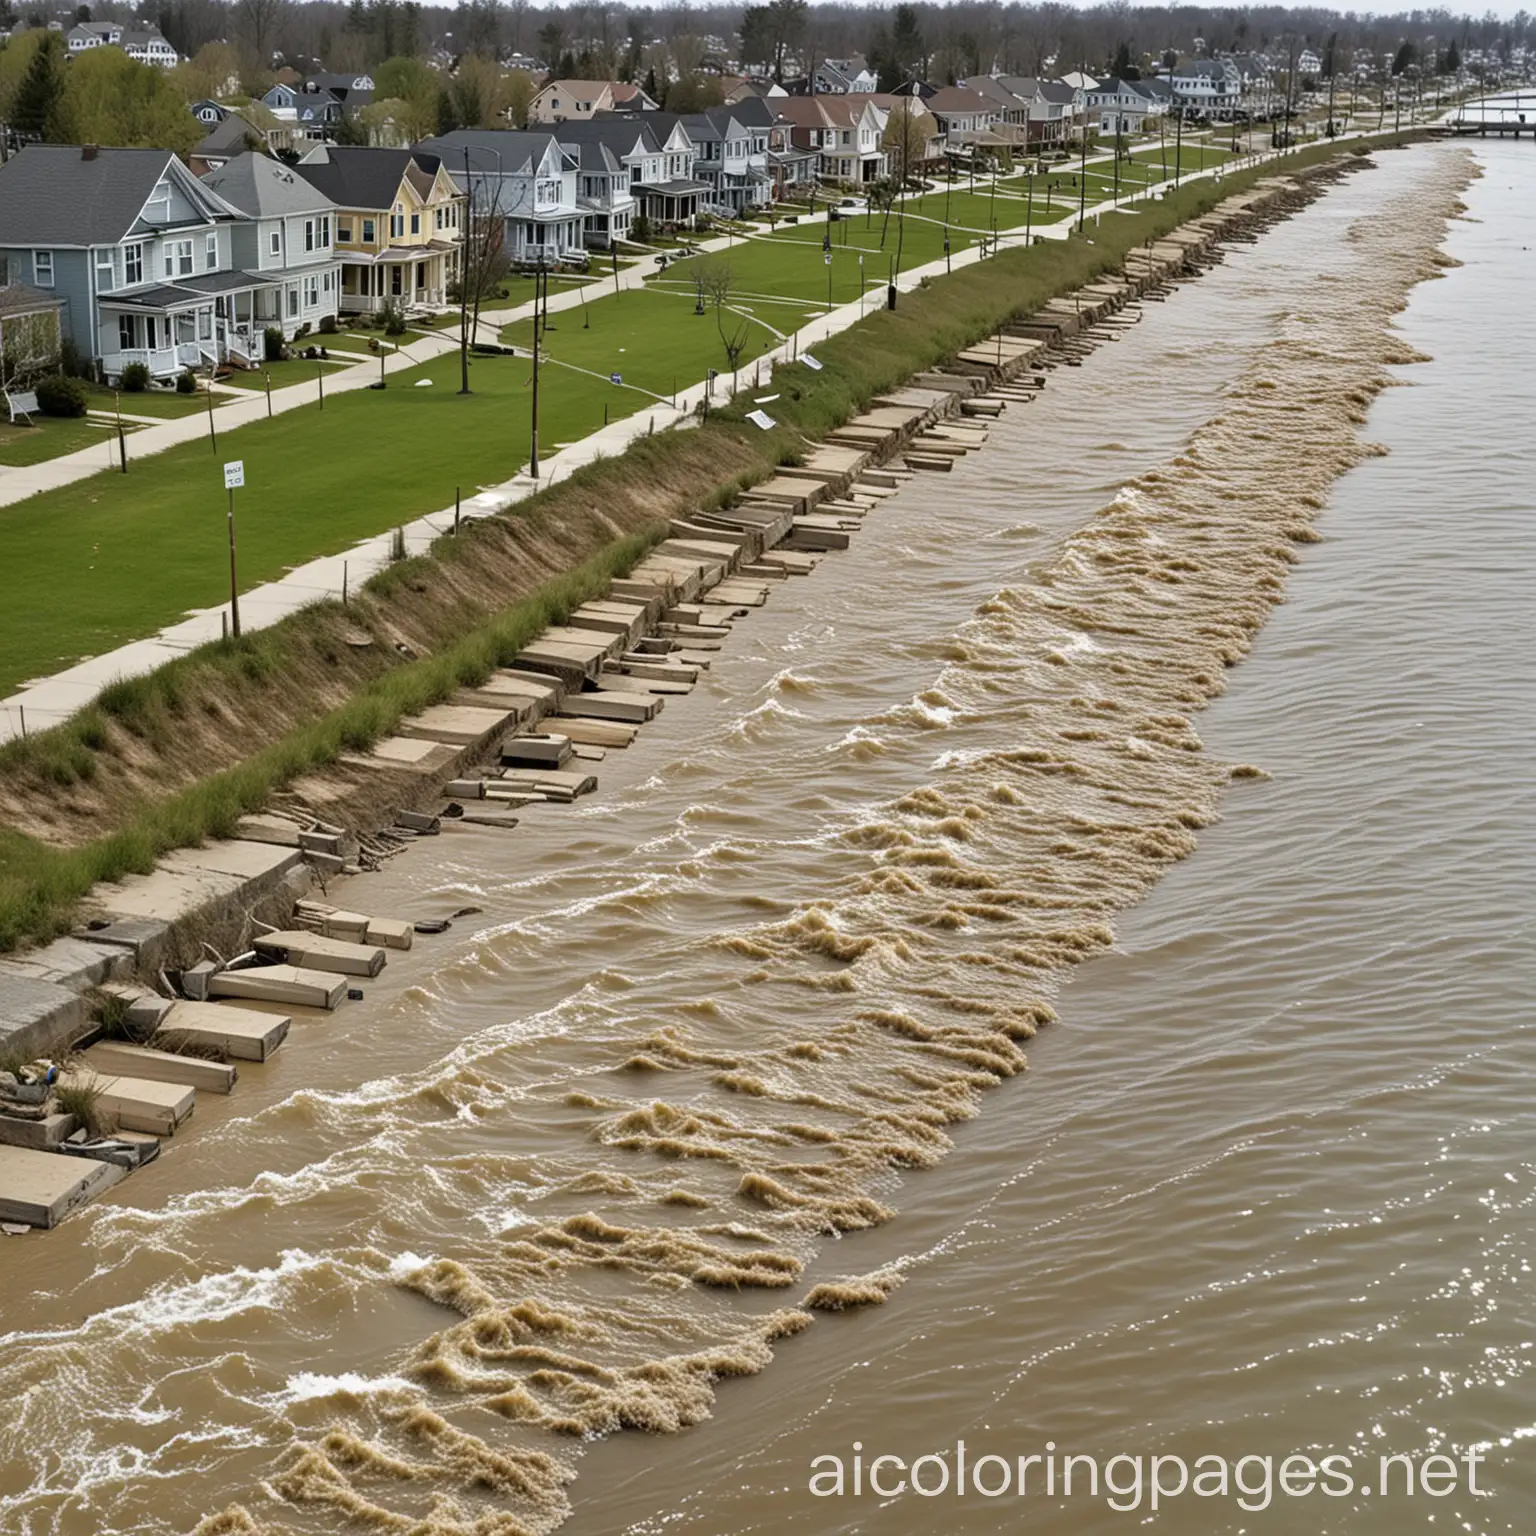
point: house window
(394, 280)
(42, 268)
(124, 332)
(327, 281)
(133, 264)
(311, 292)
(396, 224)
(309, 234)
(367, 231)
(178, 258)
(344, 232)
(205, 325)
(106, 275)
(211, 251)
(415, 223)
(275, 243)
(293, 303)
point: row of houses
(150, 263)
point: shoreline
(141, 926)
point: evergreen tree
(1450, 60)
(41, 90)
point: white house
(1207, 88)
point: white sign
(761, 419)
(810, 362)
(234, 474)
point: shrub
(272, 344)
(327, 325)
(135, 379)
(393, 318)
(640, 229)
(302, 332)
(73, 361)
(82, 1099)
(58, 395)
(186, 382)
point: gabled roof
(51, 194)
(995, 91)
(21, 299)
(491, 151)
(355, 177)
(231, 135)
(260, 188)
(622, 132)
(955, 100)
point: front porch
(406, 277)
(164, 336)
(669, 204)
(547, 242)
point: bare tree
(258, 23)
(713, 280)
(482, 254)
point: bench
(21, 405)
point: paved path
(52, 700)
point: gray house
(526, 180)
(137, 248)
(285, 242)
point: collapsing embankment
(864, 1026)
(176, 757)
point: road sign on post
(234, 479)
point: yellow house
(399, 224)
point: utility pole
(538, 281)
(1082, 180)
(1178, 147)
(464, 263)
(234, 475)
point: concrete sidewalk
(52, 700)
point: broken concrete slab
(39, 1189)
(608, 704)
(458, 725)
(596, 733)
(238, 1033)
(313, 951)
(404, 754)
(109, 1057)
(545, 750)
(287, 985)
(41, 1135)
(137, 1103)
(38, 1018)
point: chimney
(88, 151)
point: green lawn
(147, 402)
(51, 438)
(116, 557)
(651, 337)
(292, 370)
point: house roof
(355, 177)
(956, 99)
(823, 111)
(621, 132)
(261, 187)
(230, 136)
(50, 194)
(21, 299)
(591, 90)
(491, 151)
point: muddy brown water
(748, 1024)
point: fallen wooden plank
(108, 1057)
(239, 1033)
(285, 984)
(38, 1189)
(295, 946)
